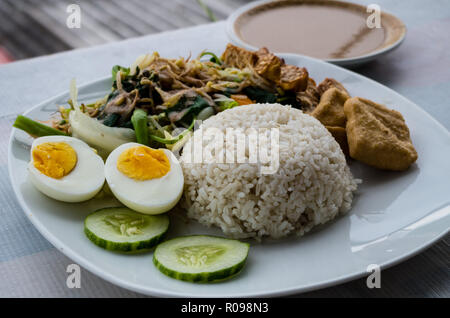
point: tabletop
(31, 267)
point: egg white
(152, 196)
(81, 184)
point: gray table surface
(419, 70)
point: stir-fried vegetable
(260, 95)
(174, 91)
(155, 96)
(139, 121)
(103, 138)
(35, 128)
(213, 58)
(289, 99)
(186, 108)
(226, 103)
(116, 68)
(172, 140)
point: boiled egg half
(65, 168)
(146, 180)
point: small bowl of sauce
(334, 31)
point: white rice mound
(312, 185)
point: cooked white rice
(312, 185)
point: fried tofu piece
(340, 134)
(309, 98)
(293, 78)
(268, 65)
(328, 83)
(330, 110)
(234, 56)
(378, 136)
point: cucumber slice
(124, 230)
(200, 258)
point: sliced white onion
(103, 138)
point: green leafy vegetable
(35, 128)
(289, 99)
(111, 120)
(259, 95)
(127, 124)
(140, 121)
(194, 107)
(227, 104)
(198, 105)
(116, 68)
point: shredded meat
(124, 108)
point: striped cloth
(31, 267)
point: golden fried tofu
(293, 78)
(309, 98)
(328, 83)
(378, 136)
(234, 56)
(340, 134)
(268, 65)
(330, 110)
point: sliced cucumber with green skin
(201, 258)
(124, 230)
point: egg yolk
(54, 159)
(143, 163)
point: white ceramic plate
(395, 30)
(395, 215)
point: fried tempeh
(234, 56)
(268, 65)
(293, 78)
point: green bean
(140, 121)
(35, 128)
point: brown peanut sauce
(317, 30)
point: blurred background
(30, 28)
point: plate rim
(66, 250)
(357, 60)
